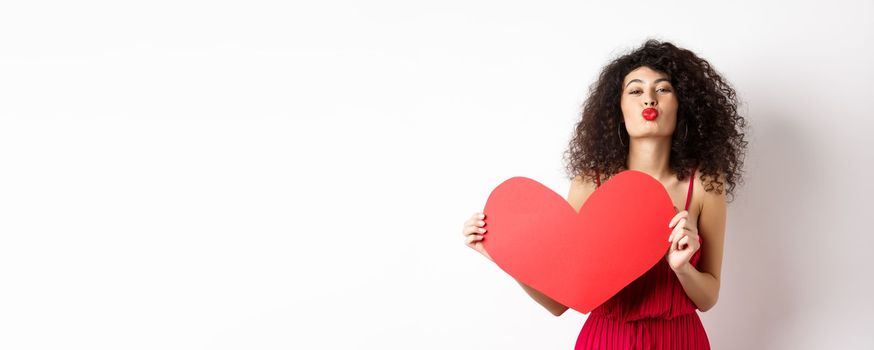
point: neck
(650, 155)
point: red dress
(653, 312)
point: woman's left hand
(684, 242)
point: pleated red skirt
(684, 332)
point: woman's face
(643, 88)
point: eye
(665, 89)
(634, 92)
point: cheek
(669, 108)
(624, 109)
(671, 101)
(622, 102)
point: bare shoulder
(707, 190)
(712, 205)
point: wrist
(684, 269)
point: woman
(666, 112)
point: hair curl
(707, 108)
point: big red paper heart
(579, 259)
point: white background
(269, 175)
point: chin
(652, 133)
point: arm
(579, 192)
(550, 304)
(702, 285)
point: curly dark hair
(709, 133)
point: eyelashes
(634, 92)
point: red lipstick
(650, 114)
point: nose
(649, 99)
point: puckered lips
(650, 114)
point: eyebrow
(641, 81)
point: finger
(478, 216)
(475, 223)
(681, 215)
(474, 218)
(675, 245)
(692, 231)
(677, 238)
(676, 219)
(474, 238)
(683, 243)
(469, 230)
(677, 229)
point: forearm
(550, 304)
(701, 287)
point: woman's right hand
(474, 232)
